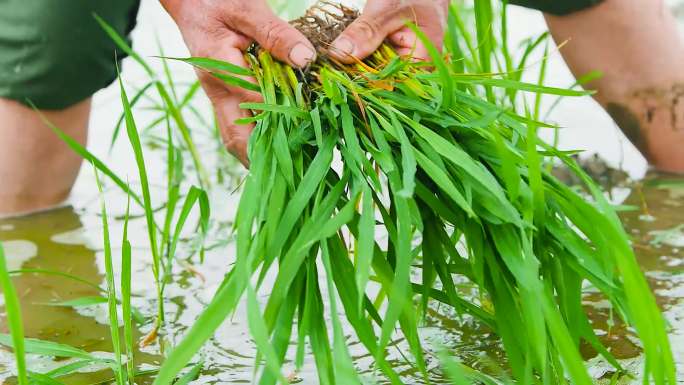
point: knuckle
(272, 34)
(366, 28)
(236, 13)
(234, 142)
(229, 142)
(206, 79)
(212, 87)
(238, 93)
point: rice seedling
(13, 311)
(452, 173)
(111, 289)
(162, 241)
(134, 139)
(126, 309)
(80, 358)
(171, 107)
(445, 164)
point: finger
(228, 48)
(384, 19)
(275, 35)
(406, 43)
(226, 100)
(235, 136)
(363, 36)
(434, 34)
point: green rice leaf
(111, 288)
(285, 110)
(13, 310)
(260, 335)
(439, 63)
(365, 246)
(214, 65)
(78, 302)
(134, 139)
(50, 349)
(236, 81)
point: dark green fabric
(556, 7)
(54, 53)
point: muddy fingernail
(343, 46)
(302, 55)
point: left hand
(386, 19)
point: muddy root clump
(324, 22)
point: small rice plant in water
(13, 314)
(163, 243)
(76, 358)
(427, 156)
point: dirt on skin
(645, 107)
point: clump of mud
(324, 22)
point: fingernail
(302, 55)
(343, 46)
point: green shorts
(557, 7)
(54, 54)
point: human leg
(55, 56)
(37, 169)
(637, 46)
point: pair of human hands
(224, 29)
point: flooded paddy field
(69, 240)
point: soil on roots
(324, 22)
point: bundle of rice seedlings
(343, 155)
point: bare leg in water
(37, 170)
(637, 46)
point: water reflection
(44, 233)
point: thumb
(362, 37)
(280, 39)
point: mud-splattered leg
(637, 46)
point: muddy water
(49, 242)
(68, 240)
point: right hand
(386, 20)
(223, 30)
